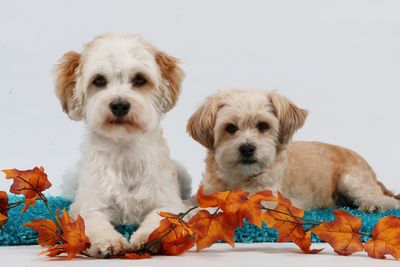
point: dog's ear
(65, 83)
(201, 124)
(291, 118)
(172, 76)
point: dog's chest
(126, 180)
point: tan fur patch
(201, 124)
(65, 82)
(291, 118)
(172, 74)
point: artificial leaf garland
(177, 234)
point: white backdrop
(339, 59)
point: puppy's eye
(231, 128)
(139, 80)
(262, 127)
(100, 81)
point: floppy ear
(65, 82)
(291, 118)
(201, 124)
(172, 76)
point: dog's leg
(150, 223)
(105, 240)
(363, 188)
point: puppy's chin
(237, 171)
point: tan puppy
(248, 133)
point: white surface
(339, 59)
(220, 255)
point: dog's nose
(247, 151)
(120, 107)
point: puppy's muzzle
(247, 153)
(120, 108)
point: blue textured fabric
(14, 233)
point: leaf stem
(55, 217)
(305, 221)
(14, 205)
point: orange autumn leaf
(48, 232)
(214, 227)
(177, 220)
(288, 222)
(3, 208)
(219, 199)
(74, 238)
(385, 239)
(342, 233)
(237, 202)
(251, 208)
(172, 239)
(30, 183)
(136, 256)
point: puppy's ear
(65, 83)
(201, 124)
(172, 76)
(291, 118)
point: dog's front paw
(108, 245)
(139, 239)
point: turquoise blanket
(14, 233)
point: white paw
(108, 245)
(139, 239)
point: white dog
(248, 133)
(121, 86)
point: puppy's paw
(382, 204)
(108, 245)
(139, 239)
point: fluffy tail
(185, 181)
(387, 192)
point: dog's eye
(231, 128)
(100, 81)
(262, 127)
(139, 80)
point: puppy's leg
(105, 241)
(363, 188)
(150, 223)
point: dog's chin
(241, 171)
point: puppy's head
(245, 130)
(120, 85)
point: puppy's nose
(120, 107)
(247, 151)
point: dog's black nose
(247, 151)
(120, 107)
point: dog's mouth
(128, 123)
(248, 161)
(119, 121)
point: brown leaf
(73, 235)
(177, 220)
(251, 208)
(385, 239)
(136, 256)
(287, 220)
(342, 233)
(3, 208)
(172, 239)
(237, 202)
(30, 183)
(214, 227)
(48, 232)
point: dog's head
(120, 85)
(245, 130)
